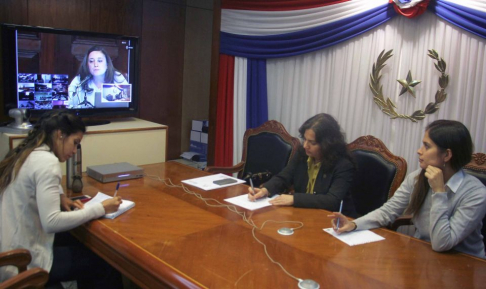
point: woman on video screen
(95, 69)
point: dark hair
(329, 136)
(42, 133)
(446, 134)
(84, 67)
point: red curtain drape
(223, 148)
(415, 11)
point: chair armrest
(225, 170)
(19, 258)
(401, 221)
(32, 278)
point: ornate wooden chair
(379, 173)
(267, 148)
(31, 278)
(477, 168)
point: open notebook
(100, 197)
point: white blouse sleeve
(53, 220)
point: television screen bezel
(9, 67)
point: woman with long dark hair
(447, 205)
(321, 172)
(34, 209)
(95, 70)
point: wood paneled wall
(160, 24)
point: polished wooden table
(172, 239)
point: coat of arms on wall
(388, 107)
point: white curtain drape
(239, 107)
(336, 80)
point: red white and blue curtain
(254, 31)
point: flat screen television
(92, 74)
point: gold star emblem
(408, 84)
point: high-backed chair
(32, 278)
(476, 167)
(379, 173)
(267, 148)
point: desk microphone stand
(86, 102)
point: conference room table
(172, 239)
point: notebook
(355, 237)
(100, 197)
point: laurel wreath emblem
(388, 107)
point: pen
(118, 186)
(252, 188)
(340, 210)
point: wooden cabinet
(131, 140)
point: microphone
(84, 80)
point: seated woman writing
(321, 172)
(446, 204)
(35, 210)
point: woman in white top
(446, 204)
(95, 69)
(33, 206)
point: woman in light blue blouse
(446, 204)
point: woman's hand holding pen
(344, 224)
(256, 193)
(111, 205)
(282, 200)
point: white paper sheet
(244, 202)
(206, 183)
(100, 197)
(355, 237)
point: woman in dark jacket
(320, 173)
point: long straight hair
(42, 133)
(446, 134)
(110, 73)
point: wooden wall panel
(68, 14)
(197, 67)
(13, 11)
(160, 24)
(116, 16)
(213, 98)
(162, 66)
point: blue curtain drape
(301, 42)
(256, 100)
(468, 19)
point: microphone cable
(243, 215)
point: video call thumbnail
(42, 91)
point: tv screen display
(89, 73)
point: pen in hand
(116, 190)
(252, 187)
(340, 210)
